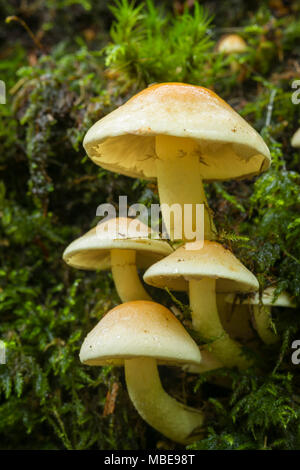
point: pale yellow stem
(262, 317)
(174, 420)
(207, 322)
(125, 275)
(180, 182)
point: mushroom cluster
(181, 136)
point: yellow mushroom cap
(92, 250)
(139, 329)
(228, 147)
(267, 298)
(212, 261)
(232, 43)
(295, 142)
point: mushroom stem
(262, 317)
(174, 420)
(207, 322)
(125, 276)
(180, 182)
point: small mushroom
(231, 44)
(140, 335)
(261, 309)
(121, 244)
(203, 272)
(181, 135)
(295, 142)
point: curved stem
(180, 182)
(125, 275)
(262, 317)
(173, 419)
(207, 322)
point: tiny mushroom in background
(141, 335)
(261, 309)
(181, 135)
(203, 271)
(295, 142)
(121, 244)
(231, 44)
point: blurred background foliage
(67, 63)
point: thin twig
(270, 107)
(25, 26)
